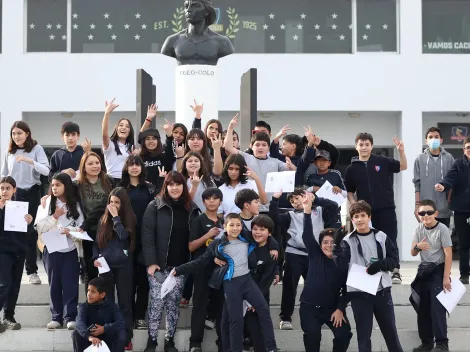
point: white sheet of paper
(101, 348)
(326, 191)
(361, 280)
(450, 299)
(81, 235)
(104, 268)
(280, 181)
(168, 285)
(14, 216)
(55, 241)
(246, 305)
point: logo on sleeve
(377, 168)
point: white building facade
(342, 66)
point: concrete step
(38, 316)
(291, 341)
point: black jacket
(458, 179)
(11, 242)
(63, 159)
(106, 314)
(156, 230)
(115, 247)
(372, 180)
(265, 270)
(216, 250)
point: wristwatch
(417, 249)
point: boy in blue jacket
(99, 319)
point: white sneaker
(71, 325)
(34, 279)
(396, 277)
(286, 325)
(54, 325)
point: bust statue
(198, 44)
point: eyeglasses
(428, 212)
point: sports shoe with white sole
(11, 324)
(286, 325)
(71, 325)
(54, 325)
(396, 277)
(34, 279)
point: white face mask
(434, 143)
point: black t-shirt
(200, 226)
(140, 197)
(178, 250)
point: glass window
(446, 26)
(46, 25)
(376, 25)
(261, 26)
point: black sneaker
(424, 347)
(141, 324)
(11, 324)
(3, 328)
(464, 279)
(440, 348)
(151, 345)
(170, 345)
(396, 277)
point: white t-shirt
(114, 162)
(228, 203)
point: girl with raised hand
(26, 161)
(115, 242)
(197, 177)
(62, 213)
(117, 147)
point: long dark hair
(126, 178)
(70, 196)
(203, 172)
(105, 233)
(151, 153)
(219, 126)
(178, 178)
(196, 132)
(28, 144)
(238, 160)
(129, 140)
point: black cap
(149, 132)
(322, 154)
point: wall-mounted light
(265, 115)
(67, 115)
(354, 115)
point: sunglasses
(428, 212)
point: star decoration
(49, 26)
(271, 16)
(350, 26)
(265, 26)
(302, 16)
(137, 37)
(295, 37)
(75, 15)
(385, 26)
(317, 26)
(113, 37)
(283, 26)
(110, 26)
(126, 26)
(92, 26)
(75, 26)
(90, 37)
(144, 26)
(64, 37)
(299, 26)
(319, 37)
(137, 15)
(367, 26)
(106, 15)
(51, 37)
(272, 37)
(58, 26)
(32, 25)
(341, 37)
(334, 26)
(335, 16)
(365, 36)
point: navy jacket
(372, 180)
(11, 242)
(325, 285)
(105, 314)
(114, 250)
(266, 270)
(62, 159)
(458, 179)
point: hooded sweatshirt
(429, 170)
(62, 159)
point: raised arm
(401, 151)
(228, 142)
(151, 113)
(109, 108)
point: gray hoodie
(428, 171)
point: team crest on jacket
(377, 168)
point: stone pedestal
(198, 82)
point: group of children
(156, 211)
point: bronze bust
(198, 44)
